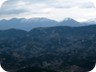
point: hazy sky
(54, 9)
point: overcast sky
(53, 9)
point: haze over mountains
(28, 24)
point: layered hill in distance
(41, 44)
(28, 24)
(49, 49)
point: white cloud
(73, 3)
(56, 9)
(93, 1)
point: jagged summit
(28, 24)
(70, 22)
(68, 18)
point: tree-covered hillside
(50, 49)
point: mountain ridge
(59, 48)
(28, 24)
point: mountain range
(45, 45)
(28, 24)
(49, 49)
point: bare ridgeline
(49, 49)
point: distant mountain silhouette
(28, 24)
(91, 21)
(70, 22)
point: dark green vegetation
(50, 49)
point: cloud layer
(46, 8)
